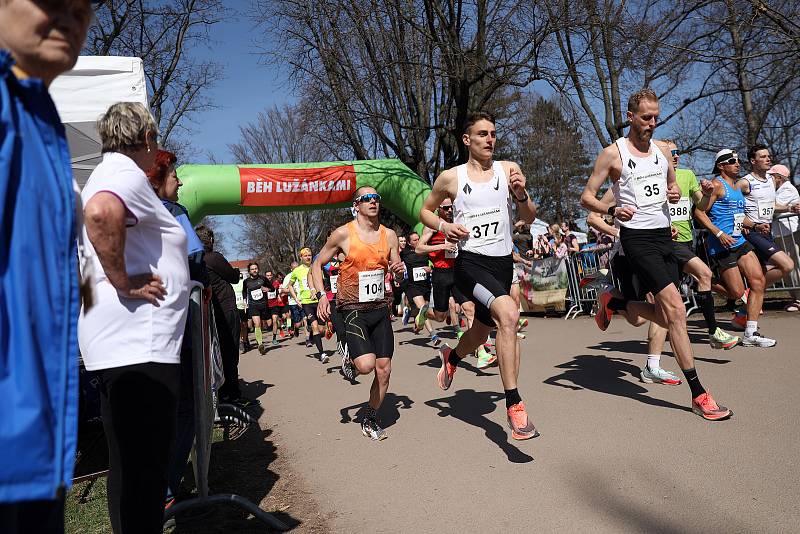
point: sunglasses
(729, 161)
(368, 197)
(448, 208)
(674, 152)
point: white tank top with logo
(642, 184)
(759, 205)
(485, 210)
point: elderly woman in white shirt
(132, 336)
(785, 229)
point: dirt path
(615, 455)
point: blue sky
(249, 87)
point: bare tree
(399, 77)
(163, 34)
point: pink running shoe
(705, 406)
(445, 375)
(521, 427)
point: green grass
(91, 515)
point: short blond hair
(125, 127)
(637, 97)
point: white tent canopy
(83, 94)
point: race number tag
(650, 190)
(450, 254)
(485, 227)
(256, 294)
(738, 221)
(370, 285)
(239, 301)
(419, 274)
(271, 295)
(681, 210)
(334, 283)
(765, 209)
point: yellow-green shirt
(688, 184)
(300, 275)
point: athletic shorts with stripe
(368, 332)
(482, 279)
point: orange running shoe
(521, 427)
(705, 406)
(445, 375)
(604, 313)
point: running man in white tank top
(758, 189)
(484, 192)
(643, 182)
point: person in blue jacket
(38, 228)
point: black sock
(694, 382)
(453, 359)
(617, 304)
(706, 302)
(512, 397)
(318, 342)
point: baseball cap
(783, 170)
(722, 155)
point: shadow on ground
(612, 376)
(388, 413)
(640, 347)
(472, 407)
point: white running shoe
(659, 376)
(757, 340)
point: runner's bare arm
(330, 249)
(396, 265)
(606, 166)
(673, 190)
(596, 221)
(423, 247)
(104, 217)
(442, 188)
(526, 209)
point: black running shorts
(627, 281)
(729, 258)
(651, 255)
(683, 253)
(482, 279)
(418, 290)
(256, 310)
(311, 312)
(444, 287)
(764, 245)
(369, 332)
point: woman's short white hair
(124, 127)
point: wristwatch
(525, 199)
(611, 210)
(319, 294)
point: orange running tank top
(361, 274)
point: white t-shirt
(119, 331)
(296, 286)
(787, 195)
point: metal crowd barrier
(788, 243)
(205, 350)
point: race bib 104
(681, 210)
(485, 226)
(650, 190)
(419, 274)
(272, 295)
(370, 285)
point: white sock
(750, 328)
(653, 361)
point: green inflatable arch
(240, 189)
